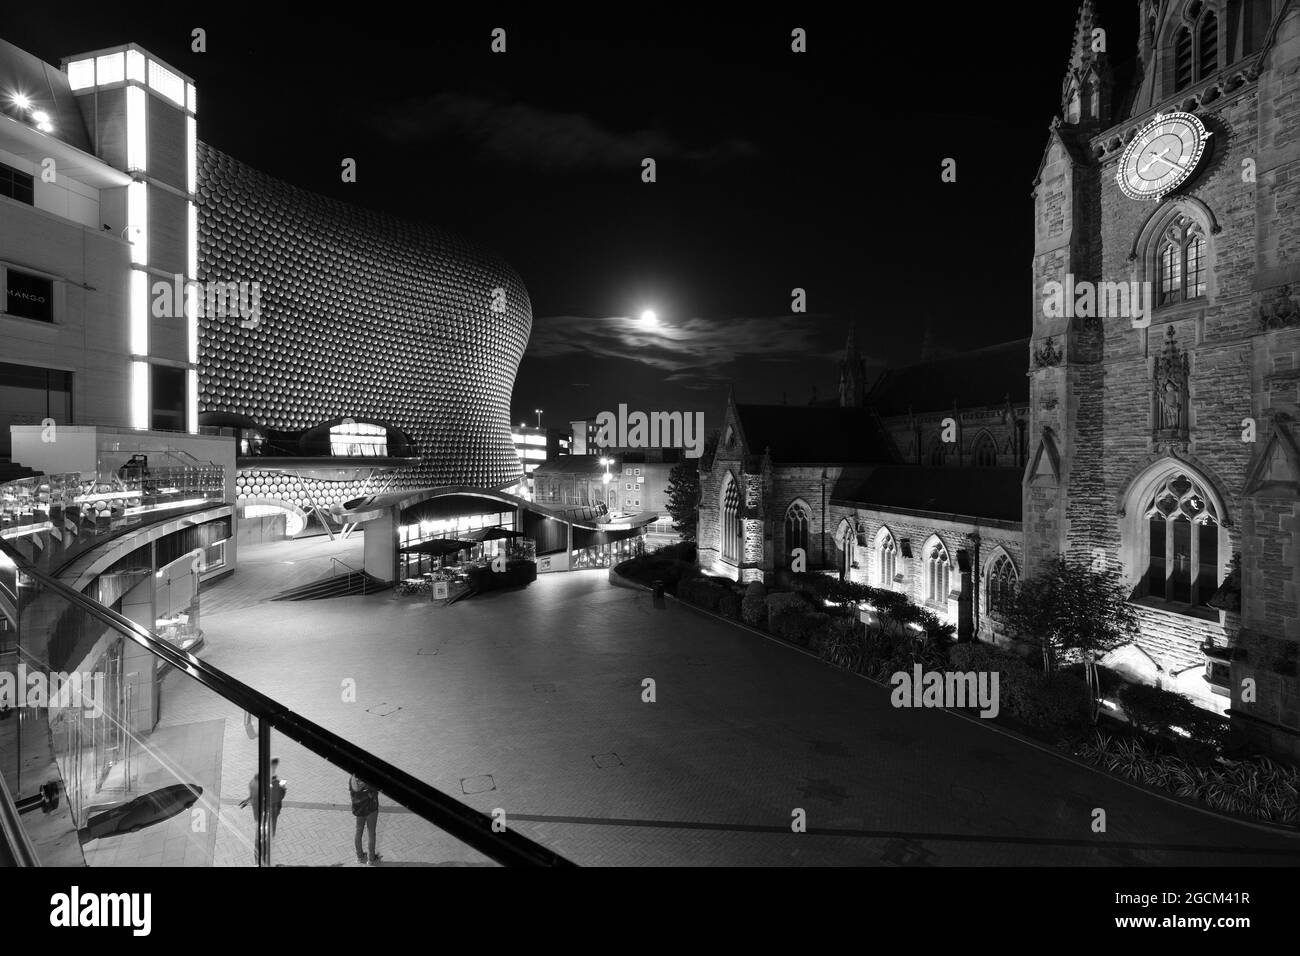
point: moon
(649, 318)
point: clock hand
(1155, 158)
(1170, 162)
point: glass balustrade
(118, 748)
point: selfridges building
(360, 318)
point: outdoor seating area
(444, 568)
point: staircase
(339, 585)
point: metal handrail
(448, 814)
(15, 847)
(335, 562)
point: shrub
(703, 592)
(1156, 711)
(782, 601)
(1258, 788)
(729, 604)
(802, 626)
(894, 609)
(753, 609)
(670, 564)
(1057, 703)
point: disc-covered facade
(357, 315)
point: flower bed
(1259, 787)
(670, 564)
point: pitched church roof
(977, 379)
(991, 493)
(812, 433)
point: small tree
(1072, 607)
(684, 498)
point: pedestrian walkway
(264, 570)
(531, 702)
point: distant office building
(583, 432)
(536, 445)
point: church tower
(1088, 87)
(1165, 404)
(853, 374)
(1064, 351)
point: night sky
(775, 170)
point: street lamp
(538, 413)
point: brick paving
(531, 701)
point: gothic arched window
(797, 520)
(1181, 260)
(985, 453)
(938, 451)
(937, 586)
(1000, 589)
(887, 559)
(1182, 59)
(1182, 543)
(1209, 45)
(731, 522)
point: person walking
(365, 807)
(278, 788)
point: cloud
(519, 134)
(694, 353)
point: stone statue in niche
(1281, 312)
(1170, 390)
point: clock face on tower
(1162, 156)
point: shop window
(358, 439)
(167, 398)
(29, 296)
(17, 185)
(28, 395)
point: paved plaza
(530, 702)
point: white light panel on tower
(81, 74)
(167, 83)
(110, 68)
(135, 65)
(137, 141)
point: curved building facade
(345, 312)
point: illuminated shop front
(457, 528)
(608, 553)
(413, 534)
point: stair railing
(334, 570)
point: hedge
(703, 592)
(1156, 711)
(670, 564)
(753, 608)
(893, 608)
(1057, 702)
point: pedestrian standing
(278, 788)
(365, 807)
